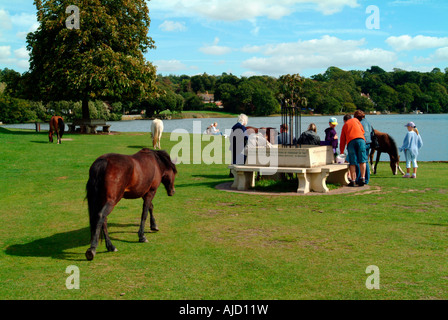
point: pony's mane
(165, 158)
(393, 145)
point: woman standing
(411, 144)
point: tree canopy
(331, 92)
(103, 59)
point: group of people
(355, 140)
(356, 136)
(213, 129)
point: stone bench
(310, 179)
(89, 126)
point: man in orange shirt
(352, 135)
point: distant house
(366, 95)
(207, 97)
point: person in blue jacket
(238, 140)
(411, 144)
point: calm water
(433, 128)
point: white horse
(156, 132)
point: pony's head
(394, 164)
(169, 173)
(394, 156)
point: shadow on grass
(210, 181)
(57, 245)
(21, 132)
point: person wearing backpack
(368, 134)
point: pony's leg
(90, 253)
(141, 231)
(110, 247)
(377, 160)
(147, 207)
(59, 138)
(152, 220)
(372, 153)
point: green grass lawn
(214, 244)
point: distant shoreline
(217, 114)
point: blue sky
(271, 37)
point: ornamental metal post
(291, 103)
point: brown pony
(56, 126)
(115, 176)
(387, 145)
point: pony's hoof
(143, 240)
(90, 254)
(154, 229)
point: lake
(432, 127)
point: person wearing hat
(331, 137)
(411, 144)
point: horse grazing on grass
(156, 132)
(115, 176)
(57, 126)
(387, 145)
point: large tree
(102, 59)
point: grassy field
(214, 244)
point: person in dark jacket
(238, 140)
(310, 136)
(331, 137)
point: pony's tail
(95, 191)
(61, 126)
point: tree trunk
(85, 109)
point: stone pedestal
(304, 157)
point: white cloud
(24, 19)
(234, 10)
(295, 57)
(24, 64)
(169, 65)
(408, 43)
(22, 53)
(23, 34)
(215, 49)
(442, 54)
(5, 52)
(251, 49)
(5, 20)
(172, 26)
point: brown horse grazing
(115, 176)
(387, 145)
(56, 126)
